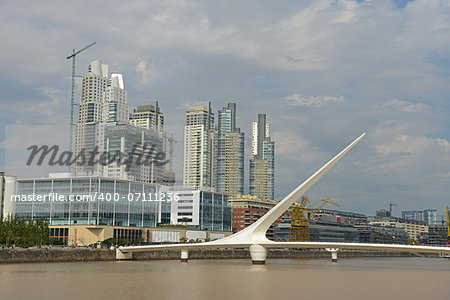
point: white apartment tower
(88, 136)
(115, 106)
(112, 129)
(199, 148)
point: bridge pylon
(258, 254)
(184, 255)
(333, 252)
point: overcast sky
(323, 71)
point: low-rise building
(436, 236)
(341, 216)
(381, 234)
(89, 201)
(85, 210)
(332, 231)
(412, 227)
(322, 231)
(83, 235)
(203, 209)
(248, 209)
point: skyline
(322, 71)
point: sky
(323, 71)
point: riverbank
(85, 255)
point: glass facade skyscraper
(262, 161)
(230, 153)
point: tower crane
(171, 140)
(72, 56)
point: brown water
(365, 278)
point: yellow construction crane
(302, 213)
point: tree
(23, 232)
(115, 241)
(413, 242)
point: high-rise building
(262, 161)
(104, 126)
(412, 227)
(115, 107)
(428, 216)
(230, 153)
(88, 133)
(138, 144)
(199, 148)
(135, 140)
(148, 116)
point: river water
(350, 278)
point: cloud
(361, 65)
(292, 147)
(416, 155)
(317, 101)
(409, 106)
(414, 145)
(20, 137)
(147, 74)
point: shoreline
(44, 255)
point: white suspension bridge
(254, 237)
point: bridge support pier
(123, 255)
(184, 255)
(333, 252)
(258, 254)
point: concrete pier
(184, 255)
(258, 254)
(333, 251)
(123, 255)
